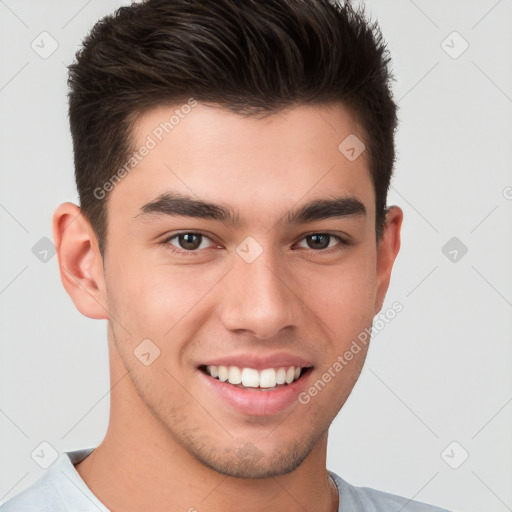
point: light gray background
(439, 372)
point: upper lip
(259, 362)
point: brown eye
(187, 242)
(324, 243)
(318, 241)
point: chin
(249, 462)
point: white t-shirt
(61, 489)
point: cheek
(344, 297)
(150, 299)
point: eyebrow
(176, 204)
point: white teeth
(281, 376)
(223, 372)
(234, 375)
(268, 378)
(252, 378)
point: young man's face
(261, 293)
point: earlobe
(80, 261)
(387, 251)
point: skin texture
(171, 443)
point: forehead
(257, 165)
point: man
(232, 161)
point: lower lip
(254, 402)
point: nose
(259, 297)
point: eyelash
(342, 243)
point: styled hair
(253, 57)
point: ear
(387, 250)
(80, 261)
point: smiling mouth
(268, 379)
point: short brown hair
(249, 56)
